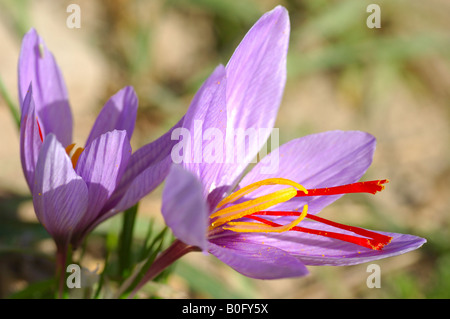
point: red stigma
(366, 238)
(40, 131)
(371, 187)
(371, 240)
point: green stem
(12, 107)
(126, 240)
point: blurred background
(393, 82)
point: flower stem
(177, 250)
(61, 255)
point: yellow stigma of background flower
(76, 155)
(230, 213)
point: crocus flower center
(225, 218)
(74, 157)
(233, 212)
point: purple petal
(119, 113)
(150, 164)
(207, 115)
(30, 141)
(258, 261)
(60, 196)
(184, 208)
(319, 160)
(324, 251)
(400, 244)
(38, 67)
(147, 168)
(209, 103)
(256, 75)
(101, 165)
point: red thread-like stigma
(40, 131)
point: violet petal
(257, 261)
(119, 113)
(317, 250)
(256, 75)
(206, 121)
(319, 160)
(60, 196)
(101, 165)
(150, 164)
(30, 141)
(38, 67)
(147, 168)
(184, 208)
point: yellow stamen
(252, 206)
(252, 227)
(69, 148)
(250, 188)
(76, 155)
(237, 211)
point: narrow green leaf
(102, 275)
(125, 241)
(146, 240)
(12, 107)
(151, 252)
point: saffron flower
(76, 188)
(264, 225)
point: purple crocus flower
(73, 191)
(257, 223)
